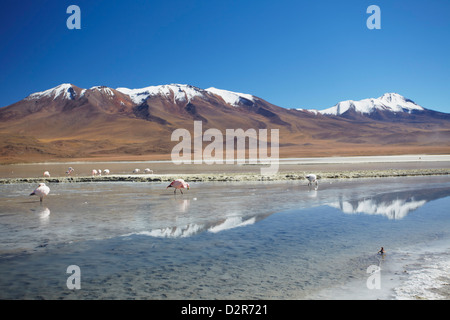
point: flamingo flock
(146, 170)
(99, 172)
(179, 184)
(43, 190)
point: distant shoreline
(303, 160)
(230, 177)
(289, 169)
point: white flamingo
(147, 170)
(312, 178)
(41, 191)
(46, 174)
(136, 170)
(94, 172)
(106, 171)
(68, 172)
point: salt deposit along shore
(232, 176)
(289, 169)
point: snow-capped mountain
(185, 93)
(176, 92)
(68, 121)
(179, 92)
(65, 91)
(391, 102)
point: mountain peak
(65, 89)
(398, 102)
(102, 122)
(181, 92)
(175, 91)
(391, 95)
(392, 102)
(103, 90)
(186, 92)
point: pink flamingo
(41, 191)
(178, 184)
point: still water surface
(226, 240)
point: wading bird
(178, 184)
(41, 191)
(312, 178)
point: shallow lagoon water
(227, 240)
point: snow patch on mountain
(388, 102)
(65, 90)
(398, 103)
(177, 92)
(184, 92)
(180, 92)
(104, 90)
(232, 98)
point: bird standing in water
(178, 184)
(312, 178)
(41, 191)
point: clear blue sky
(295, 54)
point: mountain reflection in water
(392, 205)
